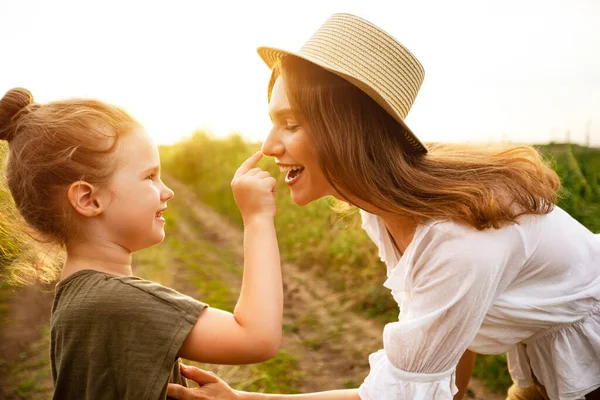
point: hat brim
(271, 56)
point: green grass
(30, 378)
(493, 372)
(5, 292)
(313, 342)
(277, 375)
(579, 169)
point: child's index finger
(249, 163)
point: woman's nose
(272, 146)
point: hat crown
(363, 52)
(370, 59)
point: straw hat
(367, 57)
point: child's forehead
(137, 149)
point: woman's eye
(151, 176)
(292, 128)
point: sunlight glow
(526, 71)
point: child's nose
(167, 193)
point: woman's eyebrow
(281, 113)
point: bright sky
(521, 70)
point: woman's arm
(345, 394)
(213, 387)
(464, 370)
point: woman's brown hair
(363, 154)
(52, 146)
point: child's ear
(84, 198)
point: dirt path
(332, 345)
(23, 344)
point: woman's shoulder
(435, 238)
(527, 225)
(458, 242)
(458, 231)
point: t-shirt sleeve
(155, 320)
(452, 280)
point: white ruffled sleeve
(445, 283)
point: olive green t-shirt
(117, 337)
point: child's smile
(135, 215)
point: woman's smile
(293, 172)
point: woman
(479, 257)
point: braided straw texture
(367, 57)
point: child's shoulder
(90, 284)
(90, 291)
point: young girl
(479, 257)
(86, 175)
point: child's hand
(254, 190)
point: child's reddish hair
(53, 145)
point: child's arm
(253, 332)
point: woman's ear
(84, 198)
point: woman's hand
(211, 386)
(254, 190)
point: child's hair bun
(13, 101)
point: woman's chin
(301, 199)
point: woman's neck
(401, 229)
(100, 256)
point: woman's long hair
(363, 154)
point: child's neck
(106, 257)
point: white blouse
(531, 290)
